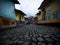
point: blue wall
(7, 9)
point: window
(51, 17)
(58, 14)
(48, 9)
(46, 17)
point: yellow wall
(39, 17)
(20, 16)
(50, 12)
(17, 17)
(55, 6)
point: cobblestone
(49, 39)
(26, 43)
(30, 35)
(40, 43)
(40, 39)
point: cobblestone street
(30, 35)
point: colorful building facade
(19, 16)
(39, 16)
(7, 12)
(35, 20)
(50, 11)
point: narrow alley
(31, 34)
(29, 22)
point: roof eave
(38, 13)
(45, 3)
(19, 11)
(42, 4)
(15, 1)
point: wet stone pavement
(30, 35)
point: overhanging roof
(38, 13)
(16, 1)
(45, 3)
(19, 11)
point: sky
(29, 7)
